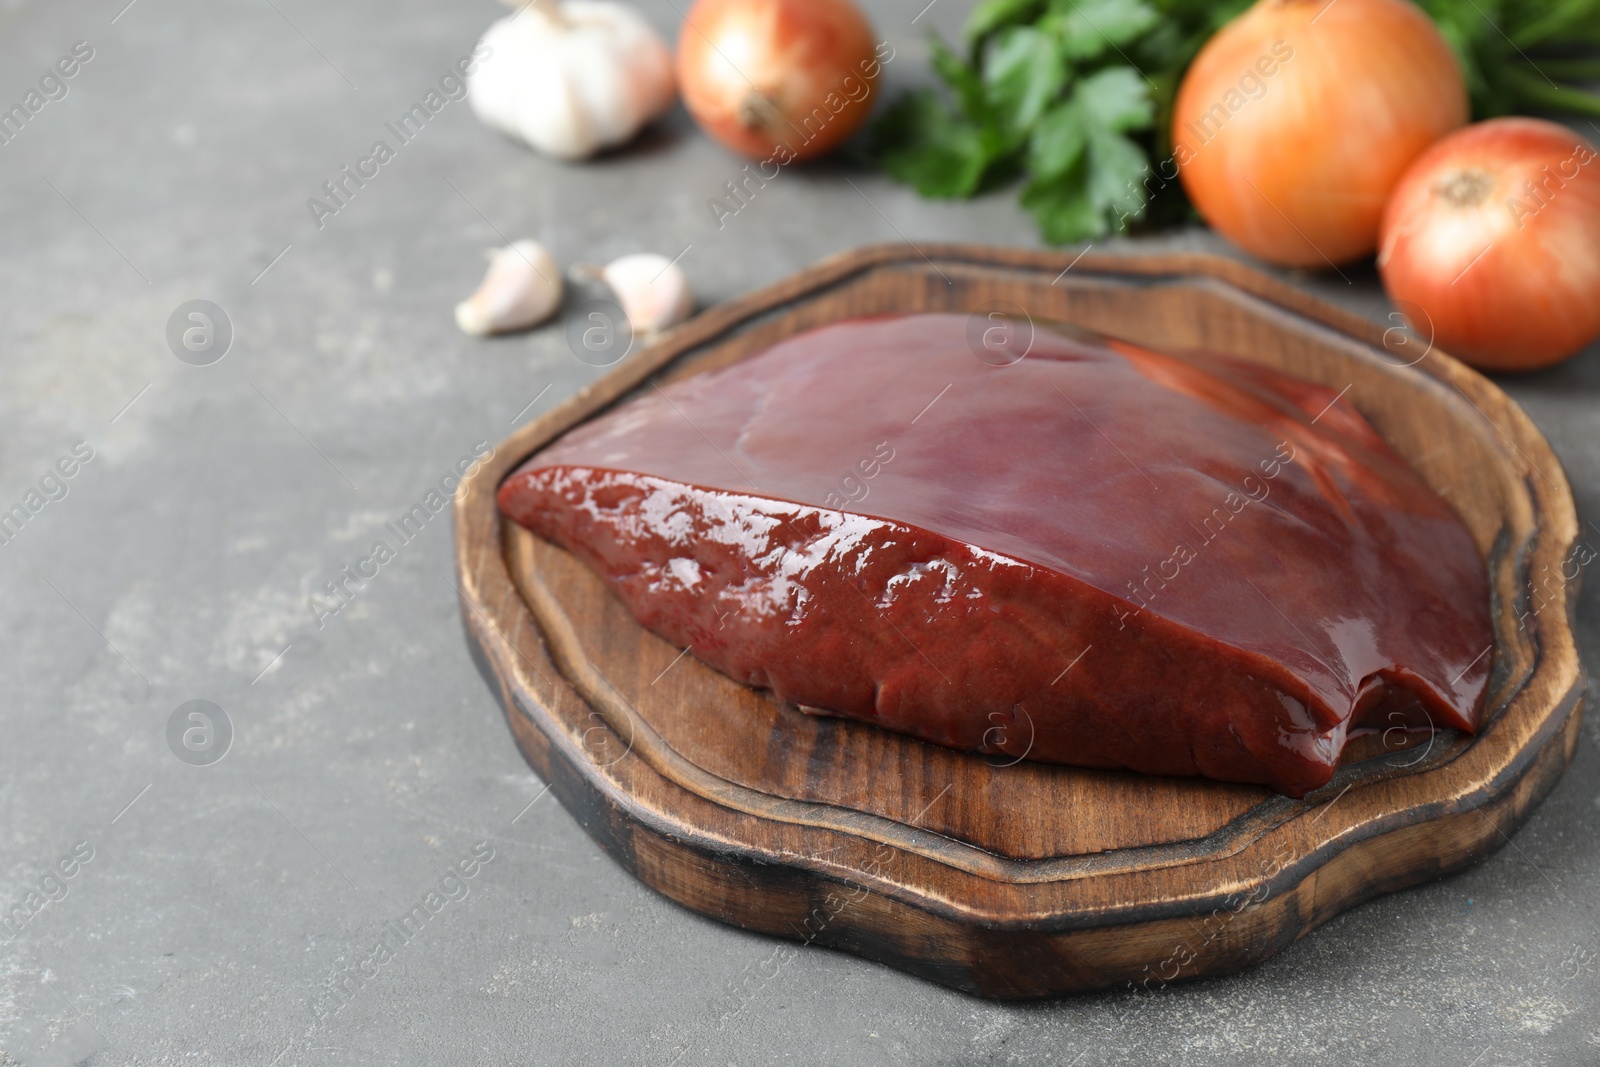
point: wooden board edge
(474, 505)
(802, 902)
(1234, 839)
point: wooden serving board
(1029, 880)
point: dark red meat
(1098, 555)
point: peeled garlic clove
(653, 291)
(521, 289)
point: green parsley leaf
(1090, 27)
(1116, 98)
(1102, 192)
(1078, 94)
(943, 156)
(1058, 141)
(1104, 104)
(992, 15)
(1062, 210)
(1116, 173)
(1024, 73)
(1524, 55)
(964, 81)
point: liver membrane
(1098, 554)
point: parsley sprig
(1525, 55)
(1075, 97)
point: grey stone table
(228, 913)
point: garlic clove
(653, 291)
(521, 289)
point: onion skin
(777, 79)
(1506, 282)
(1296, 166)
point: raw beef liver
(1098, 555)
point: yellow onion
(1296, 120)
(1492, 240)
(783, 80)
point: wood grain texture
(1029, 880)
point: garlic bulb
(521, 289)
(572, 78)
(653, 291)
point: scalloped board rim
(1032, 881)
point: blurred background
(221, 907)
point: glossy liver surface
(1098, 554)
